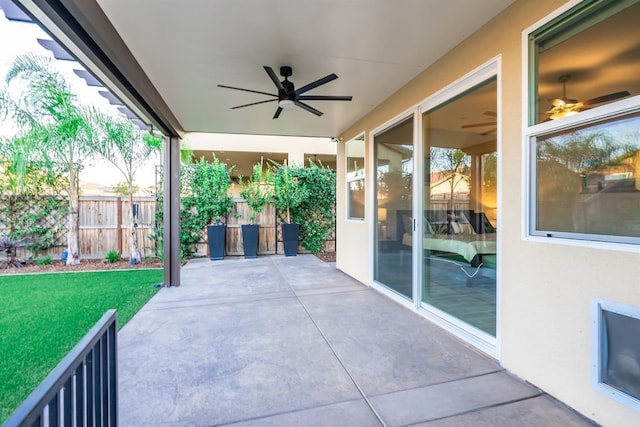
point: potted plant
(211, 180)
(256, 194)
(288, 193)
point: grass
(45, 315)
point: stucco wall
(545, 288)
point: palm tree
(56, 129)
(126, 147)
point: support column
(171, 211)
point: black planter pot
(290, 238)
(216, 236)
(250, 240)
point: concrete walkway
(280, 341)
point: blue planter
(250, 240)
(290, 239)
(216, 236)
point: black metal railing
(83, 389)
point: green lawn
(45, 315)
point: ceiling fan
(484, 124)
(564, 106)
(288, 96)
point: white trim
(556, 12)
(484, 72)
(417, 204)
(597, 305)
(474, 336)
(498, 338)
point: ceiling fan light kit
(288, 96)
(564, 107)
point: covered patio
(294, 341)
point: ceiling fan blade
(488, 132)
(274, 78)
(308, 108)
(247, 90)
(317, 83)
(490, 113)
(277, 114)
(253, 103)
(324, 98)
(606, 98)
(477, 125)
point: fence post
(119, 223)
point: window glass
(393, 159)
(587, 181)
(460, 206)
(355, 178)
(585, 59)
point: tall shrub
(316, 213)
(306, 196)
(205, 200)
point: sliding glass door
(459, 207)
(393, 153)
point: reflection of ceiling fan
(564, 106)
(484, 124)
(288, 96)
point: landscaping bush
(45, 260)
(112, 256)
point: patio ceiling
(173, 54)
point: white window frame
(597, 306)
(532, 132)
(355, 178)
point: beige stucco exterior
(545, 286)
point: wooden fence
(104, 226)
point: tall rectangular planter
(250, 240)
(216, 236)
(290, 238)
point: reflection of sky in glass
(624, 132)
(592, 147)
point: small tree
(288, 191)
(255, 192)
(126, 147)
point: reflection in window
(587, 181)
(460, 207)
(587, 58)
(355, 178)
(393, 156)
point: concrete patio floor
(278, 341)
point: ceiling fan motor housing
(286, 71)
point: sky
(20, 37)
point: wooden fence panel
(104, 226)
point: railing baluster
(89, 378)
(104, 378)
(113, 374)
(54, 415)
(78, 393)
(97, 386)
(67, 403)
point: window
(616, 351)
(585, 165)
(355, 178)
